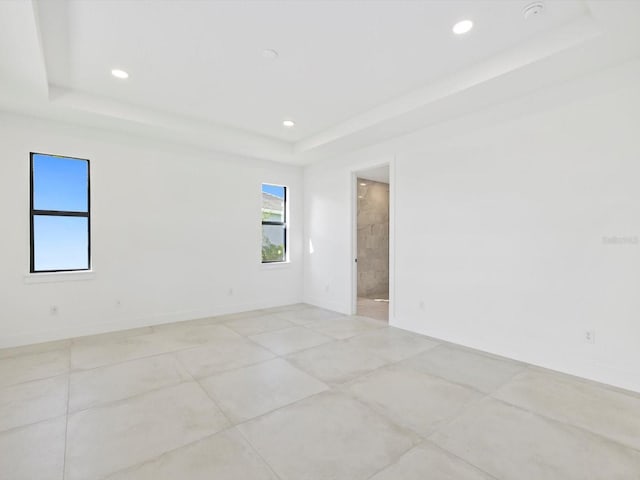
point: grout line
(232, 425)
(438, 447)
(466, 406)
(466, 462)
(31, 424)
(490, 395)
(566, 424)
(164, 454)
(341, 387)
(204, 390)
(255, 450)
(3, 387)
(329, 390)
(130, 397)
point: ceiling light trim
(537, 48)
(119, 74)
(462, 27)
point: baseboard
(583, 369)
(64, 333)
(333, 306)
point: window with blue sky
(274, 226)
(60, 221)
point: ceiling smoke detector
(532, 10)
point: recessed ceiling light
(269, 54)
(462, 27)
(119, 73)
(288, 123)
(363, 184)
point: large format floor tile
(35, 348)
(221, 356)
(113, 437)
(426, 461)
(90, 388)
(610, 413)
(235, 316)
(224, 456)
(109, 336)
(308, 315)
(170, 339)
(483, 372)
(352, 399)
(192, 334)
(251, 391)
(327, 436)
(392, 344)
(345, 327)
(511, 443)
(33, 402)
(35, 452)
(289, 308)
(290, 340)
(33, 366)
(115, 350)
(260, 324)
(337, 362)
(416, 400)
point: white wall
(499, 231)
(173, 230)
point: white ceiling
(349, 73)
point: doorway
(372, 240)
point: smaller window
(60, 219)
(274, 223)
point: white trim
(327, 305)
(75, 331)
(392, 241)
(354, 234)
(56, 277)
(276, 265)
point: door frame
(354, 232)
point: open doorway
(372, 220)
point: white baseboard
(625, 379)
(29, 338)
(334, 306)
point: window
(274, 223)
(60, 221)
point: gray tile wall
(373, 239)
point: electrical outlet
(53, 310)
(590, 336)
(118, 303)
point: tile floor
(301, 393)
(369, 307)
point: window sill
(276, 265)
(54, 277)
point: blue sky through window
(273, 190)
(60, 183)
(60, 242)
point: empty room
(320, 240)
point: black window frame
(283, 223)
(58, 213)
